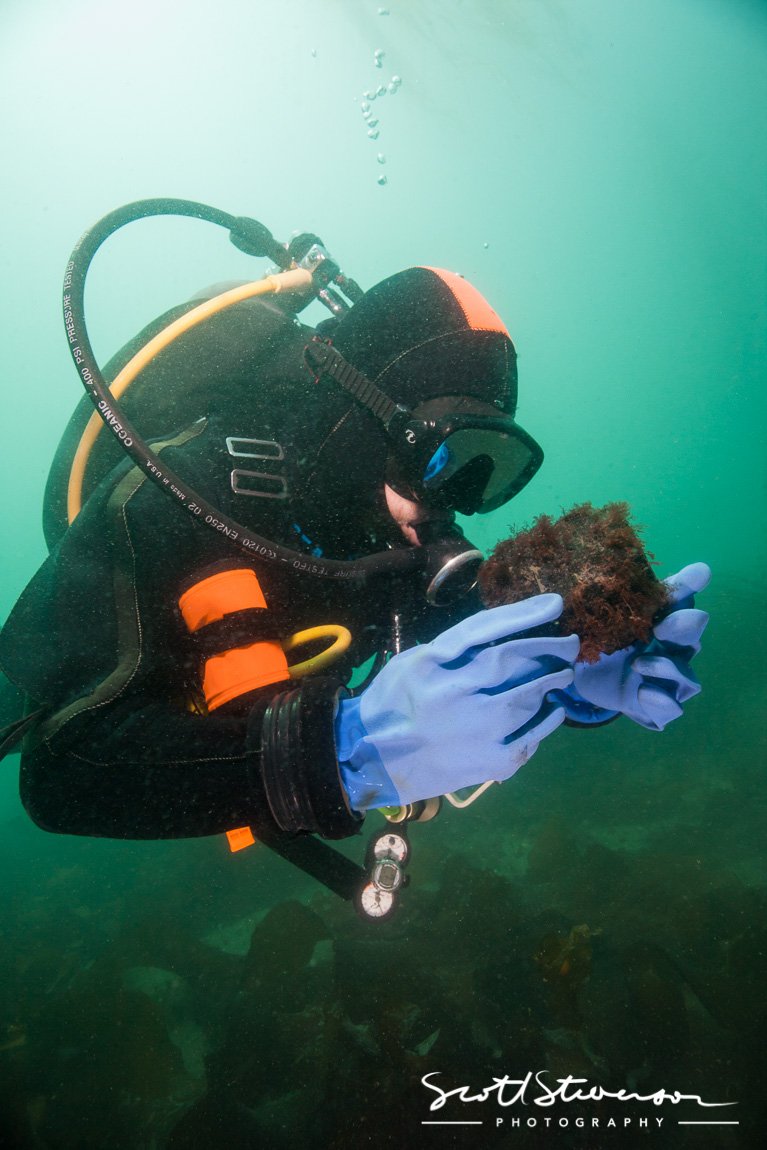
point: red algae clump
(591, 556)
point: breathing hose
(285, 281)
(253, 238)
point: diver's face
(407, 514)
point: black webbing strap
(323, 359)
(238, 629)
(11, 736)
(318, 859)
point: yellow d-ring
(343, 638)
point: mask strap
(323, 359)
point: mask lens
(504, 462)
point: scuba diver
(292, 484)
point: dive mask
(453, 452)
(460, 454)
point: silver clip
(256, 483)
(236, 445)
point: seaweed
(594, 558)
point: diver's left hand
(648, 682)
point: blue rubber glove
(648, 682)
(468, 707)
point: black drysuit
(97, 639)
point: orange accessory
(240, 838)
(232, 673)
(241, 669)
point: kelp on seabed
(627, 967)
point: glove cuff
(364, 776)
(298, 765)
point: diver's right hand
(466, 708)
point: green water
(597, 169)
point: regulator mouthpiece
(452, 563)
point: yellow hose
(294, 280)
